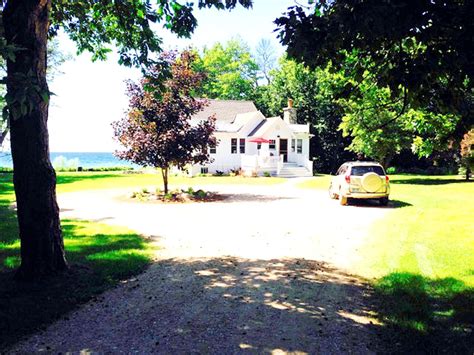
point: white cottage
(256, 145)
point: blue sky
(89, 96)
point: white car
(360, 180)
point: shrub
(267, 174)
(391, 170)
(61, 163)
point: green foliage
(95, 26)
(231, 71)
(55, 59)
(391, 170)
(313, 92)
(424, 47)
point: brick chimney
(289, 113)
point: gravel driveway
(266, 270)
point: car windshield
(361, 170)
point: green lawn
(430, 234)
(420, 258)
(100, 256)
(68, 182)
(319, 182)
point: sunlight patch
(359, 319)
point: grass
(68, 182)
(100, 257)
(430, 236)
(319, 182)
(421, 261)
(422, 258)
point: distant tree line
(351, 116)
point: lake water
(68, 159)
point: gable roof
(225, 110)
(260, 130)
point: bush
(62, 163)
(236, 172)
(391, 170)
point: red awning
(259, 140)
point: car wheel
(342, 200)
(383, 201)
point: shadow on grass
(430, 181)
(376, 203)
(428, 315)
(99, 258)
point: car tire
(383, 201)
(342, 200)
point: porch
(259, 165)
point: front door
(284, 149)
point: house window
(204, 170)
(272, 144)
(259, 145)
(212, 148)
(293, 144)
(242, 145)
(233, 146)
(299, 146)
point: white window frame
(299, 146)
(234, 147)
(212, 148)
(242, 140)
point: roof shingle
(225, 110)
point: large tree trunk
(42, 251)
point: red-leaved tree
(467, 152)
(157, 130)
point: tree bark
(164, 173)
(42, 250)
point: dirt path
(266, 270)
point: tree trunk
(164, 173)
(468, 171)
(42, 250)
